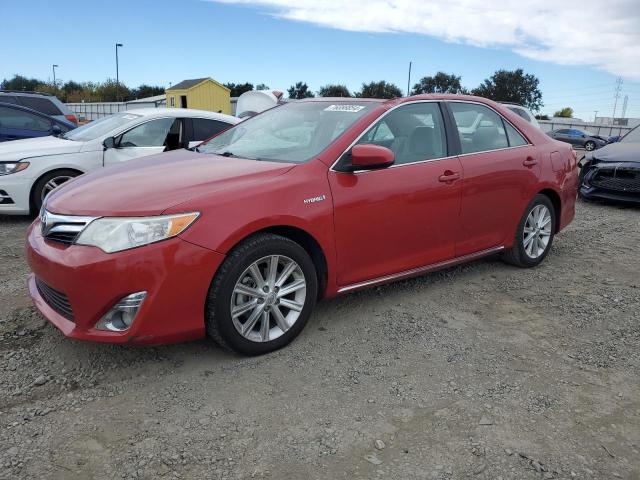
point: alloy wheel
(590, 146)
(268, 298)
(52, 184)
(537, 231)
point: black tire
(590, 146)
(36, 193)
(218, 321)
(517, 255)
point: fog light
(122, 314)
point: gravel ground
(482, 371)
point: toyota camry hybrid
(238, 238)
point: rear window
(43, 105)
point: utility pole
(624, 106)
(616, 96)
(117, 74)
(595, 116)
(409, 81)
(54, 75)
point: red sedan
(238, 238)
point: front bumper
(17, 189)
(175, 274)
(612, 181)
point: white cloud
(598, 33)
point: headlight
(12, 167)
(113, 234)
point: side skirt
(414, 272)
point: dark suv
(40, 102)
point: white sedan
(31, 168)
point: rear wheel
(534, 235)
(262, 295)
(47, 183)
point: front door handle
(448, 176)
(530, 162)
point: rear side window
(204, 128)
(515, 138)
(8, 99)
(12, 118)
(42, 105)
(480, 128)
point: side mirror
(109, 142)
(371, 157)
(56, 130)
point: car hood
(616, 152)
(36, 147)
(151, 185)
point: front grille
(62, 228)
(619, 180)
(56, 300)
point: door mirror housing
(109, 142)
(56, 130)
(371, 157)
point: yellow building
(200, 93)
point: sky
(578, 51)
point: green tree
(144, 91)
(566, 112)
(262, 86)
(299, 91)
(440, 83)
(19, 82)
(238, 89)
(379, 89)
(334, 91)
(512, 86)
(109, 91)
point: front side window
(480, 128)
(11, 118)
(414, 133)
(294, 132)
(150, 134)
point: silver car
(40, 102)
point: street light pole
(409, 80)
(117, 74)
(54, 75)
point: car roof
(183, 112)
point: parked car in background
(30, 169)
(238, 238)
(578, 138)
(17, 122)
(613, 172)
(523, 112)
(40, 102)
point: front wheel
(590, 146)
(534, 234)
(47, 183)
(262, 295)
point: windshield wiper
(228, 154)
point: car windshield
(293, 132)
(100, 127)
(632, 137)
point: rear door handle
(530, 162)
(449, 176)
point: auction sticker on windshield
(344, 108)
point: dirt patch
(482, 371)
